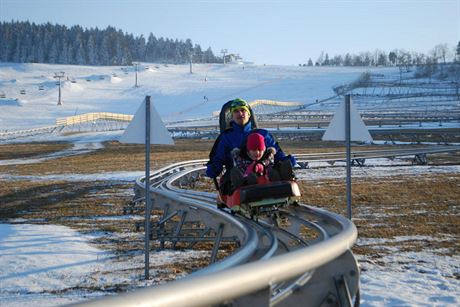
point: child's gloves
(259, 169)
(271, 154)
(235, 152)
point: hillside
(177, 94)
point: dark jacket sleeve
(280, 155)
(216, 163)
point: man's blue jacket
(233, 138)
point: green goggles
(238, 104)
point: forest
(25, 42)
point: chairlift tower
(136, 69)
(224, 52)
(59, 76)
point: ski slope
(176, 93)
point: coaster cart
(261, 199)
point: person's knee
(285, 170)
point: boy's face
(240, 116)
(255, 154)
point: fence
(90, 117)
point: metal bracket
(343, 291)
(358, 161)
(420, 159)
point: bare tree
(457, 51)
(441, 52)
(380, 58)
(320, 59)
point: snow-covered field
(39, 260)
(176, 93)
(37, 264)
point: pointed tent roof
(135, 132)
(336, 129)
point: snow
(46, 257)
(49, 265)
(175, 92)
(426, 280)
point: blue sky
(263, 31)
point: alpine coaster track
(300, 254)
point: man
(233, 137)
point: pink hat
(255, 142)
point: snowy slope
(176, 93)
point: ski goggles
(239, 104)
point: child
(252, 161)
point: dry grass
(114, 157)
(383, 207)
(397, 206)
(16, 151)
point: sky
(284, 32)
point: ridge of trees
(440, 53)
(22, 41)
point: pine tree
(348, 60)
(392, 57)
(326, 60)
(208, 56)
(91, 50)
(53, 54)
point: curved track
(295, 229)
(302, 255)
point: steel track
(279, 239)
(294, 229)
(303, 255)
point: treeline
(25, 42)
(439, 54)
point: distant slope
(175, 92)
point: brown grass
(382, 207)
(114, 157)
(396, 206)
(15, 151)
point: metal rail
(252, 281)
(360, 156)
(215, 225)
(301, 268)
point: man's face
(240, 116)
